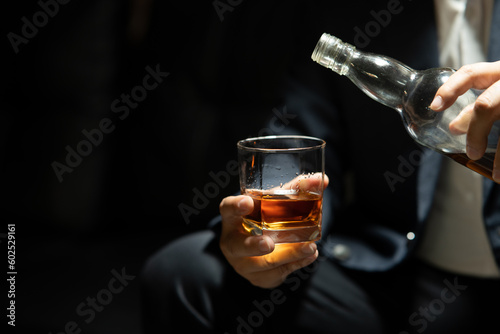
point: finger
(460, 124)
(478, 76)
(233, 207)
(239, 244)
(235, 241)
(275, 277)
(307, 183)
(281, 257)
(486, 111)
(314, 181)
(284, 254)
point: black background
(121, 203)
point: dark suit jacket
(382, 182)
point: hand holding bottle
(477, 119)
(468, 135)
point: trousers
(188, 286)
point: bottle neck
(332, 53)
(382, 78)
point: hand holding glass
(285, 177)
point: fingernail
(264, 246)
(243, 205)
(309, 248)
(472, 153)
(437, 103)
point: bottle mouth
(320, 47)
(328, 52)
(332, 53)
(319, 54)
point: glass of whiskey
(284, 175)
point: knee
(190, 258)
(176, 280)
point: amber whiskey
(483, 166)
(286, 216)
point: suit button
(341, 252)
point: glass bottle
(410, 92)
